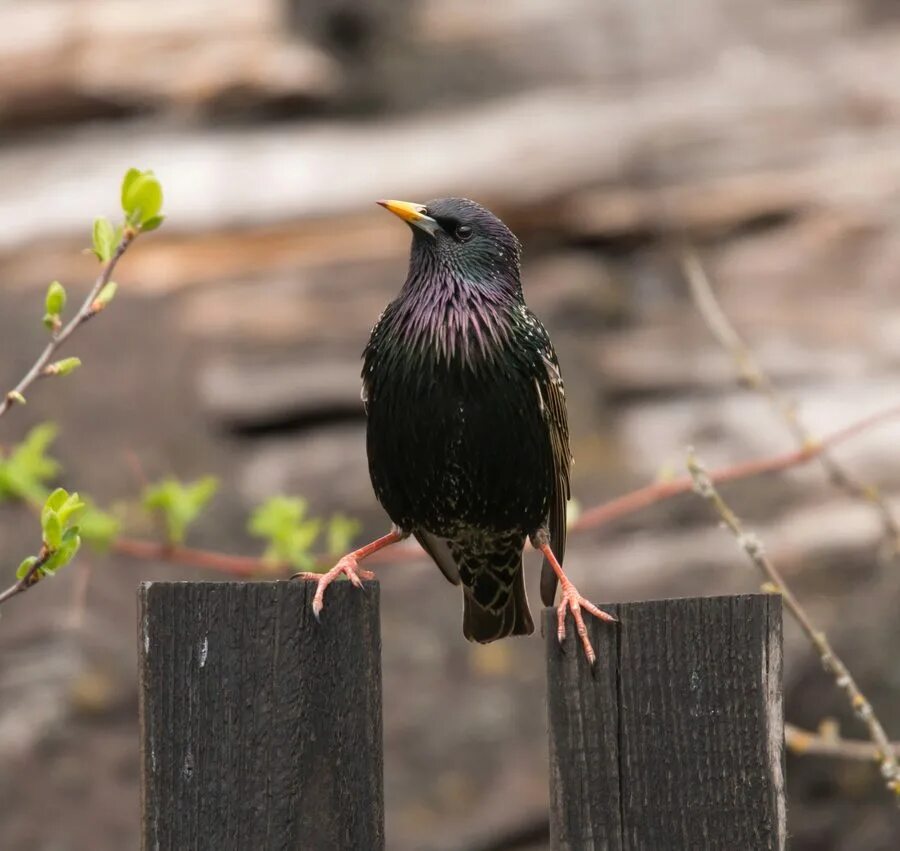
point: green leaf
(127, 182)
(55, 301)
(142, 198)
(107, 294)
(281, 522)
(152, 224)
(104, 239)
(340, 533)
(63, 367)
(17, 397)
(53, 529)
(26, 470)
(71, 543)
(59, 512)
(56, 500)
(25, 567)
(71, 510)
(98, 528)
(178, 504)
(278, 514)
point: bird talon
(574, 602)
(346, 566)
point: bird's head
(460, 238)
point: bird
(467, 433)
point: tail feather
(509, 615)
(490, 569)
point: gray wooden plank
(261, 728)
(675, 739)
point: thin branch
(659, 491)
(806, 743)
(755, 377)
(249, 566)
(32, 577)
(245, 566)
(88, 309)
(751, 545)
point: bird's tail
(494, 601)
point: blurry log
(695, 174)
(99, 57)
(258, 396)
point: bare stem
(752, 546)
(86, 311)
(32, 577)
(805, 743)
(593, 518)
(659, 491)
(751, 372)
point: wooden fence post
(260, 727)
(675, 740)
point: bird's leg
(571, 600)
(349, 566)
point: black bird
(467, 435)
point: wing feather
(553, 400)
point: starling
(467, 432)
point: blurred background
(767, 134)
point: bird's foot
(574, 602)
(348, 566)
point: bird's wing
(440, 553)
(552, 396)
(365, 392)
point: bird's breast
(457, 441)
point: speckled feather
(467, 434)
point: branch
(249, 566)
(32, 577)
(752, 546)
(87, 310)
(245, 566)
(752, 373)
(659, 491)
(805, 743)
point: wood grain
(260, 727)
(675, 740)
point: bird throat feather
(451, 316)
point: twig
(659, 491)
(751, 545)
(753, 375)
(32, 577)
(248, 566)
(806, 743)
(244, 566)
(87, 310)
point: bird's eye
(463, 232)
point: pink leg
(349, 566)
(574, 602)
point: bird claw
(348, 565)
(573, 601)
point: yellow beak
(414, 214)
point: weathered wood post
(675, 740)
(261, 728)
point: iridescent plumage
(467, 434)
